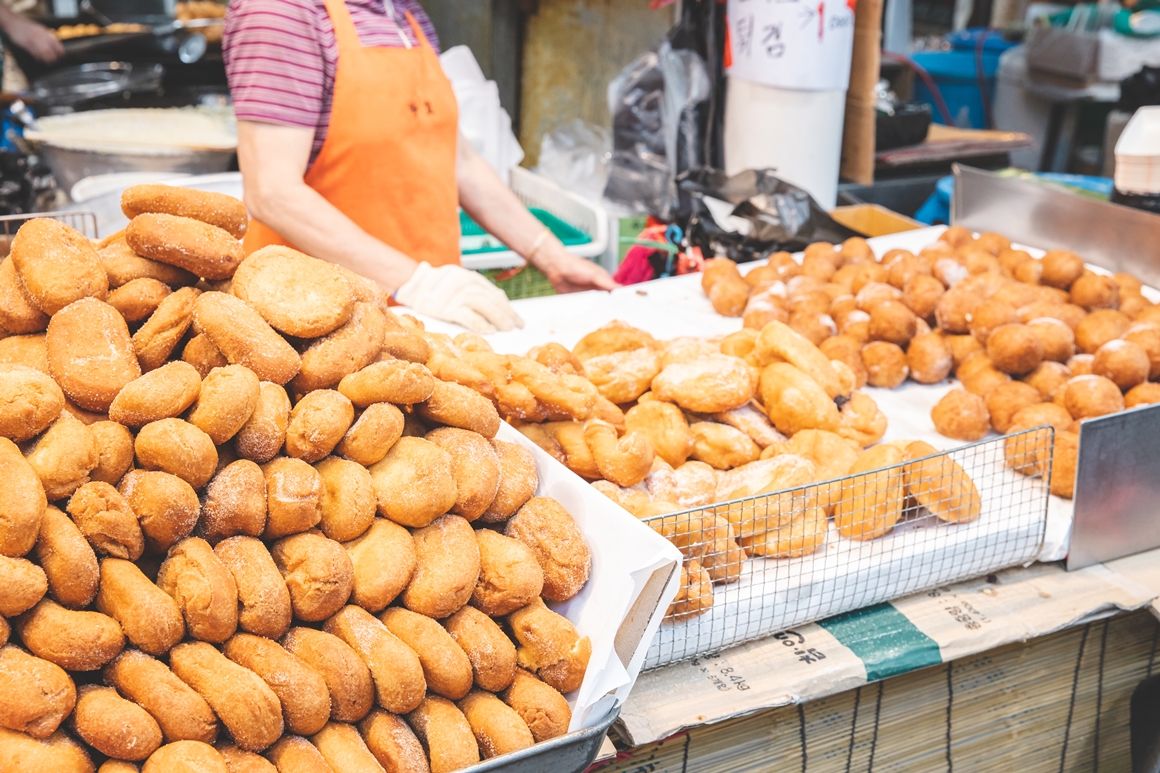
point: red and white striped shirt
(281, 55)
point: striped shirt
(281, 55)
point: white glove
(454, 294)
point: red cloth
(636, 267)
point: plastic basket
(528, 282)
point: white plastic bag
(482, 120)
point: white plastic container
(1138, 153)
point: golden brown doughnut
(393, 743)
(961, 415)
(114, 726)
(1015, 349)
(922, 294)
(217, 209)
(794, 401)
(490, 652)
(38, 695)
(294, 754)
(541, 706)
(318, 574)
(892, 321)
(63, 456)
(1007, 400)
(27, 350)
(458, 406)
(68, 560)
(962, 347)
(150, 619)
(22, 584)
(166, 507)
(848, 351)
(622, 377)
(475, 466)
(518, 481)
(300, 689)
(550, 531)
(122, 266)
(244, 703)
(446, 568)
(1048, 377)
(179, 448)
(394, 667)
(158, 337)
(163, 393)
(710, 384)
(1081, 364)
(347, 678)
(348, 498)
(1064, 457)
(198, 247)
(75, 641)
(941, 485)
(666, 428)
(1061, 268)
(347, 350)
(723, 285)
(263, 601)
(498, 728)
(344, 749)
(298, 295)
(372, 434)
(1142, 394)
(240, 761)
(1125, 363)
(929, 358)
(1066, 313)
(1133, 304)
(1094, 291)
(1089, 396)
(989, 315)
(415, 482)
(234, 503)
(138, 299)
(871, 504)
(241, 334)
(18, 314)
(510, 576)
(181, 712)
(294, 493)
(20, 753)
(1057, 338)
(317, 424)
(228, 398)
(29, 402)
(384, 560)
(549, 646)
(56, 264)
(203, 588)
(722, 446)
(389, 381)
(185, 757)
(1147, 336)
(623, 460)
(445, 735)
(90, 354)
(263, 434)
(979, 376)
(446, 668)
(107, 520)
(885, 365)
(955, 309)
(201, 353)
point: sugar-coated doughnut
(139, 298)
(393, 743)
(179, 448)
(114, 449)
(445, 735)
(75, 641)
(228, 398)
(263, 601)
(166, 507)
(38, 695)
(27, 350)
(203, 588)
(69, 563)
(241, 334)
(18, 313)
(122, 266)
(458, 406)
(20, 753)
(475, 466)
(941, 485)
(1015, 348)
(550, 531)
(30, 401)
(163, 393)
(63, 456)
(497, 727)
(348, 680)
(1089, 396)
(395, 668)
(1061, 268)
(56, 264)
(114, 726)
(344, 749)
(318, 574)
(961, 415)
(1147, 336)
(1007, 400)
(294, 754)
(243, 702)
(490, 652)
(1142, 394)
(90, 353)
(1125, 363)
(298, 295)
(886, 364)
(150, 618)
(414, 482)
(22, 501)
(1094, 291)
(158, 337)
(263, 434)
(348, 349)
(510, 576)
(446, 667)
(185, 757)
(242, 761)
(317, 423)
(549, 646)
(22, 584)
(201, 353)
(372, 434)
(234, 503)
(540, 705)
(389, 381)
(384, 559)
(225, 212)
(1099, 327)
(293, 497)
(107, 520)
(1048, 377)
(198, 247)
(300, 689)
(181, 712)
(446, 568)
(118, 766)
(348, 498)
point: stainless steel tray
(570, 753)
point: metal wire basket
(767, 563)
(85, 222)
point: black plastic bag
(751, 214)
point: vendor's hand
(570, 274)
(454, 294)
(36, 39)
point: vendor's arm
(483, 195)
(34, 38)
(273, 161)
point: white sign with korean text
(791, 44)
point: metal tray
(571, 753)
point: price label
(791, 44)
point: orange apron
(388, 161)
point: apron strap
(344, 30)
(419, 36)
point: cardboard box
(874, 220)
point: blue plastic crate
(955, 73)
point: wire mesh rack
(85, 222)
(766, 563)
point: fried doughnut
(445, 734)
(557, 358)
(561, 397)
(395, 668)
(75, 641)
(389, 381)
(1142, 394)
(795, 402)
(1057, 338)
(722, 446)
(294, 754)
(344, 749)
(1089, 396)
(38, 695)
(624, 461)
(989, 315)
(518, 481)
(723, 285)
(415, 482)
(498, 728)
(348, 498)
(18, 313)
(1125, 363)
(955, 309)
(123, 266)
(447, 566)
(239, 761)
(622, 377)
(56, 264)
(384, 559)
(1066, 313)
(1061, 268)
(179, 448)
(244, 337)
(138, 299)
(294, 493)
(1098, 328)
(1007, 400)
(550, 531)
(166, 507)
(490, 652)
(234, 503)
(665, 426)
(941, 485)
(393, 743)
(1147, 336)
(107, 520)
(1093, 291)
(737, 344)
(778, 343)
(347, 678)
(446, 668)
(158, 337)
(27, 350)
(203, 588)
(549, 646)
(372, 434)
(872, 503)
(885, 363)
(263, 434)
(458, 406)
(163, 393)
(317, 423)
(244, 703)
(961, 415)
(350, 348)
(29, 402)
(509, 576)
(198, 247)
(929, 358)
(613, 337)
(541, 706)
(318, 574)
(1020, 450)
(753, 423)
(979, 376)
(217, 209)
(228, 399)
(20, 753)
(68, 561)
(263, 599)
(114, 726)
(150, 619)
(1064, 458)
(475, 466)
(201, 353)
(847, 350)
(298, 295)
(1015, 349)
(22, 584)
(186, 757)
(892, 321)
(117, 766)
(300, 689)
(804, 533)
(1048, 377)
(181, 712)
(862, 421)
(710, 384)
(1081, 364)
(962, 347)
(63, 457)
(90, 354)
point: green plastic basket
(473, 240)
(530, 282)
